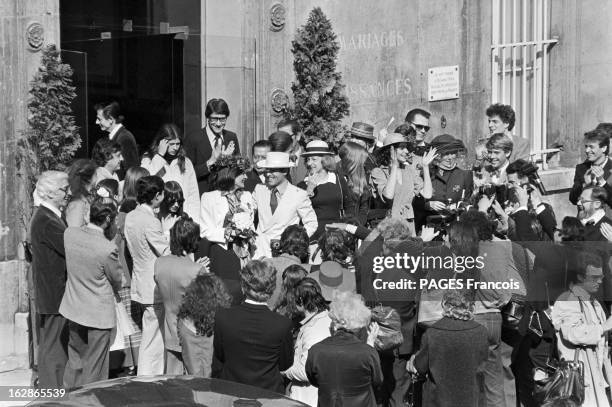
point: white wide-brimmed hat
(276, 160)
(317, 147)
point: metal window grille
(519, 64)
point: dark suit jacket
(225, 265)
(251, 181)
(199, 150)
(523, 231)
(129, 150)
(592, 232)
(578, 186)
(345, 370)
(49, 260)
(450, 355)
(252, 345)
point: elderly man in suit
(49, 275)
(252, 344)
(205, 147)
(94, 277)
(173, 274)
(110, 119)
(280, 204)
(146, 242)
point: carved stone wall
(26, 27)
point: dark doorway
(142, 71)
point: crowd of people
(193, 259)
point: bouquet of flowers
(240, 231)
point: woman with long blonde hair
(352, 169)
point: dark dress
(450, 354)
(328, 203)
(345, 369)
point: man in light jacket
(582, 328)
(280, 204)
(94, 276)
(146, 242)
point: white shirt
(111, 134)
(253, 302)
(52, 208)
(212, 136)
(331, 177)
(596, 217)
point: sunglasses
(421, 127)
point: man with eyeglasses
(592, 214)
(419, 120)
(292, 127)
(207, 146)
(501, 120)
(49, 275)
(582, 327)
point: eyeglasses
(421, 127)
(220, 120)
(581, 201)
(66, 190)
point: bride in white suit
(218, 208)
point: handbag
(390, 326)
(567, 383)
(390, 332)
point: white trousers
(151, 353)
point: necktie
(273, 200)
(217, 140)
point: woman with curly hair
(228, 208)
(292, 250)
(334, 273)
(196, 322)
(451, 352)
(82, 179)
(166, 158)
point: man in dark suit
(257, 176)
(252, 344)
(49, 275)
(595, 170)
(213, 141)
(521, 173)
(592, 214)
(109, 118)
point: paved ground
(19, 377)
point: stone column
(25, 27)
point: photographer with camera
(528, 203)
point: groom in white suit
(279, 203)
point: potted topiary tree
(320, 102)
(51, 138)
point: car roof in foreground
(169, 391)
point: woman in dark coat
(345, 367)
(451, 351)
